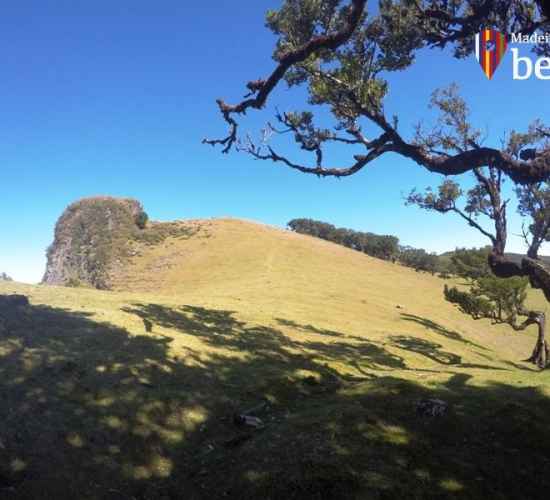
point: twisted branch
(262, 88)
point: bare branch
(377, 148)
(474, 224)
(263, 88)
(533, 318)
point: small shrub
(157, 233)
(141, 219)
(501, 299)
(73, 283)
(470, 303)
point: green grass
(131, 394)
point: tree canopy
(342, 53)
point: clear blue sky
(114, 98)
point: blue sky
(114, 98)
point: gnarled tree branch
(262, 88)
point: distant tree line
(381, 246)
(384, 247)
(5, 277)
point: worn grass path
(130, 394)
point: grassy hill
(131, 393)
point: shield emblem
(491, 46)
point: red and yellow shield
(490, 49)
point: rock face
(91, 237)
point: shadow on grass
(439, 329)
(434, 351)
(310, 328)
(363, 353)
(526, 366)
(429, 349)
(88, 410)
(221, 330)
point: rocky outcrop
(91, 237)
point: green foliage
(471, 263)
(386, 40)
(501, 299)
(298, 20)
(476, 306)
(381, 246)
(534, 204)
(73, 283)
(384, 247)
(453, 131)
(445, 266)
(507, 294)
(380, 43)
(419, 259)
(141, 219)
(533, 138)
(156, 233)
(442, 201)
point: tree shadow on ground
(441, 330)
(434, 351)
(90, 411)
(310, 328)
(429, 349)
(362, 353)
(220, 329)
(524, 367)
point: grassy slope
(340, 344)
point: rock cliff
(92, 236)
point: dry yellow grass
(201, 327)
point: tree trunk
(541, 351)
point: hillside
(131, 393)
